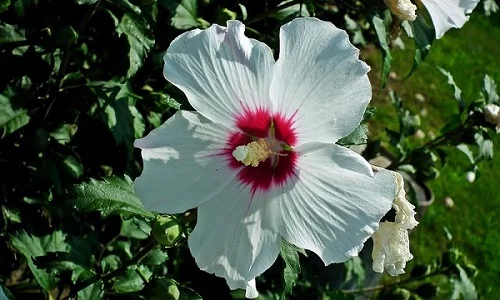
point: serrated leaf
(12, 114)
(129, 282)
(10, 33)
(380, 30)
(424, 35)
(185, 13)
(290, 256)
(140, 39)
(155, 258)
(94, 291)
(110, 263)
(112, 195)
(135, 228)
(357, 137)
(457, 92)
(33, 246)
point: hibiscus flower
(258, 159)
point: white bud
(404, 9)
(471, 176)
(448, 202)
(419, 97)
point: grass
(474, 221)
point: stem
(66, 57)
(440, 140)
(133, 261)
(14, 44)
(409, 280)
(266, 14)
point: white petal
(220, 70)
(234, 237)
(336, 204)
(182, 167)
(319, 81)
(251, 290)
(447, 14)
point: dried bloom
(404, 9)
(492, 115)
(391, 244)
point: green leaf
(290, 256)
(456, 90)
(64, 133)
(5, 294)
(155, 258)
(380, 30)
(13, 115)
(354, 271)
(4, 5)
(110, 263)
(485, 146)
(11, 214)
(140, 39)
(94, 291)
(139, 126)
(490, 89)
(463, 286)
(85, 2)
(424, 35)
(465, 150)
(111, 195)
(129, 282)
(33, 246)
(10, 33)
(22, 6)
(185, 13)
(296, 10)
(135, 228)
(357, 137)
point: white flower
(447, 14)
(391, 244)
(404, 9)
(258, 159)
(492, 115)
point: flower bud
(404, 9)
(471, 176)
(163, 289)
(166, 231)
(492, 115)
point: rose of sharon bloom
(446, 14)
(404, 9)
(492, 115)
(391, 245)
(258, 159)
